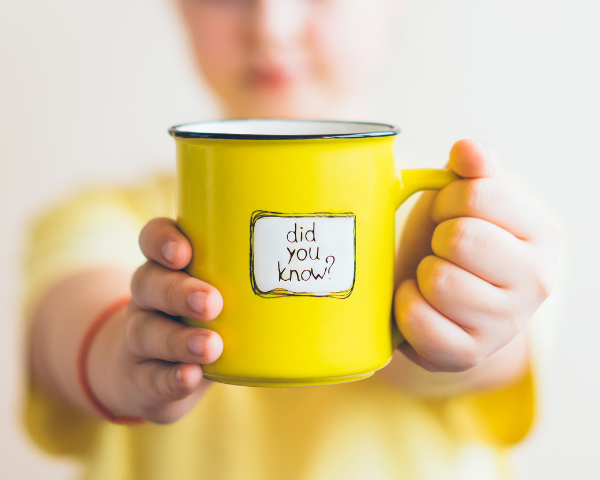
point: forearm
(58, 325)
(505, 367)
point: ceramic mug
(293, 222)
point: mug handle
(413, 181)
(410, 182)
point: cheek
(347, 45)
(218, 45)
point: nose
(277, 23)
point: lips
(271, 76)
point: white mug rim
(281, 129)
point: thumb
(470, 159)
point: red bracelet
(82, 359)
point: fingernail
(169, 249)
(197, 301)
(196, 344)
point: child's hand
(155, 370)
(487, 256)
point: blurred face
(287, 58)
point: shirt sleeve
(505, 416)
(96, 228)
(500, 417)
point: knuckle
(173, 345)
(188, 284)
(509, 315)
(172, 296)
(410, 312)
(511, 318)
(154, 383)
(153, 235)
(544, 286)
(171, 392)
(477, 196)
(134, 332)
(439, 272)
(148, 232)
(153, 225)
(138, 279)
(144, 232)
(162, 391)
(541, 279)
(467, 358)
(462, 236)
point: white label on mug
(302, 255)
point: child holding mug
(475, 262)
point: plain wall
(88, 89)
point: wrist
(101, 363)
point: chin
(278, 107)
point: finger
(160, 383)
(470, 159)
(496, 202)
(415, 242)
(151, 335)
(154, 287)
(439, 343)
(482, 310)
(483, 249)
(161, 241)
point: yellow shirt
(361, 430)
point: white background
(88, 89)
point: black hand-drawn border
(282, 292)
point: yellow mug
(293, 222)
